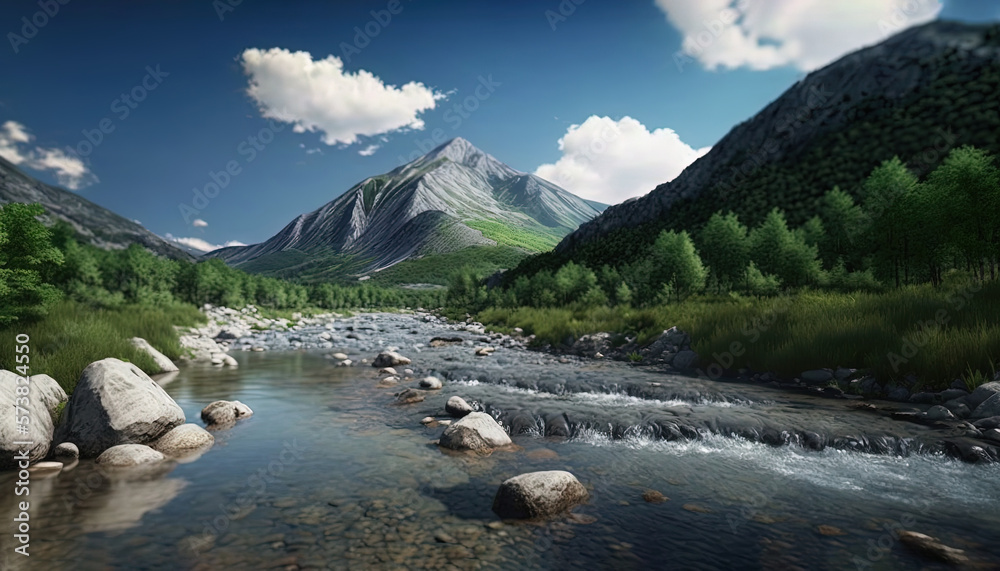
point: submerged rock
(431, 383)
(390, 359)
(476, 431)
(224, 413)
(182, 440)
(116, 403)
(128, 455)
(410, 396)
(932, 548)
(66, 450)
(539, 495)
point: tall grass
(938, 334)
(73, 335)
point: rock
(842, 374)
(939, 412)
(128, 455)
(224, 413)
(982, 394)
(654, 497)
(816, 377)
(43, 469)
(388, 371)
(182, 440)
(387, 382)
(987, 423)
(66, 450)
(116, 403)
(932, 548)
(475, 431)
(685, 360)
(407, 371)
(900, 394)
(230, 361)
(390, 359)
(258, 349)
(538, 495)
(952, 394)
(40, 424)
(444, 422)
(443, 341)
(485, 351)
(48, 391)
(989, 407)
(431, 383)
(410, 396)
(457, 407)
(830, 531)
(339, 356)
(345, 363)
(923, 398)
(958, 408)
(427, 420)
(992, 434)
(163, 362)
(869, 386)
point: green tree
(724, 248)
(676, 264)
(842, 220)
(26, 254)
(778, 251)
(885, 192)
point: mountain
(452, 198)
(93, 224)
(917, 95)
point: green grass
(533, 239)
(883, 332)
(438, 268)
(74, 335)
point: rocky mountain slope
(917, 95)
(454, 197)
(93, 224)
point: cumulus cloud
(369, 150)
(320, 96)
(199, 223)
(16, 146)
(806, 34)
(201, 245)
(610, 161)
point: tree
(676, 264)
(26, 252)
(842, 220)
(885, 191)
(724, 248)
(778, 251)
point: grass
(438, 268)
(937, 334)
(74, 335)
(505, 234)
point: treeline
(40, 265)
(904, 231)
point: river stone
(538, 495)
(40, 426)
(389, 359)
(992, 434)
(223, 413)
(982, 393)
(431, 383)
(952, 394)
(931, 547)
(340, 356)
(46, 389)
(816, 377)
(939, 412)
(457, 407)
(67, 450)
(989, 407)
(987, 423)
(900, 394)
(116, 403)
(410, 396)
(475, 431)
(685, 360)
(127, 455)
(183, 439)
(388, 371)
(163, 362)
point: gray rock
(389, 359)
(388, 371)
(952, 394)
(457, 407)
(959, 384)
(475, 431)
(183, 440)
(987, 423)
(128, 455)
(982, 393)
(225, 413)
(340, 356)
(900, 394)
(923, 398)
(842, 374)
(869, 386)
(939, 413)
(538, 495)
(992, 434)
(40, 424)
(816, 377)
(116, 403)
(685, 360)
(46, 389)
(930, 547)
(989, 407)
(162, 361)
(66, 450)
(410, 396)
(958, 408)
(431, 383)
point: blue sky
(608, 67)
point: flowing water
(330, 473)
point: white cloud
(610, 161)
(202, 245)
(15, 146)
(320, 96)
(806, 34)
(369, 150)
(199, 223)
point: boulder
(389, 359)
(163, 362)
(932, 548)
(816, 377)
(685, 360)
(538, 495)
(410, 396)
(388, 371)
(66, 450)
(46, 389)
(40, 425)
(431, 383)
(900, 394)
(987, 423)
(457, 407)
(183, 440)
(116, 403)
(989, 407)
(129, 455)
(982, 394)
(224, 413)
(475, 431)
(939, 412)
(992, 434)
